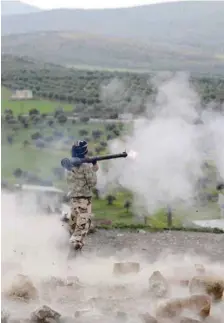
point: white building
(22, 95)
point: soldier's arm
(90, 175)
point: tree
(10, 140)
(26, 143)
(110, 199)
(127, 205)
(98, 149)
(83, 132)
(96, 193)
(62, 119)
(96, 134)
(33, 112)
(84, 119)
(9, 112)
(18, 173)
(103, 144)
(40, 143)
(36, 135)
(50, 123)
(58, 111)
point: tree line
(97, 93)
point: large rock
(197, 304)
(147, 318)
(122, 268)
(213, 286)
(70, 281)
(45, 314)
(187, 320)
(22, 288)
(158, 285)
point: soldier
(81, 180)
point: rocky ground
(86, 290)
(151, 245)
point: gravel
(152, 244)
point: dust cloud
(36, 245)
(170, 145)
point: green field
(23, 106)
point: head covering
(79, 149)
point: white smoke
(170, 147)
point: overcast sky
(48, 4)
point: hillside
(184, 35)
(82, 49)
(96, 93)
(13, 7)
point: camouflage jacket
(81, 180)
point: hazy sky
(48, 4)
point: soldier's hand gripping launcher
(76, 162)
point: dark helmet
(80, 149)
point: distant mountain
(179, 35)
(91, 50)
(13, 7)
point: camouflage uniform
(81, 180)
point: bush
(36, 136)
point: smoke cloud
(169, 147)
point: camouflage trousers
(80, 221)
